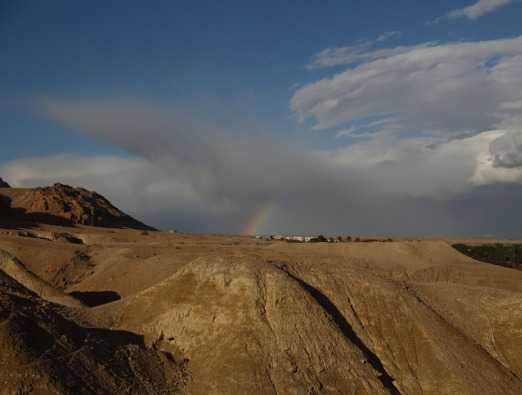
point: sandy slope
(238, 315)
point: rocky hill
(65, 205)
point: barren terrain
(126, 311)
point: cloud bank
(428, 142)
(430, 99)
(440, 89)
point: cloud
(363, 51)
(367, 128)
(445, 89)
(417, 167)
(506, 150)
(232, 174)
(196, 177)
(410, 187)
(502, 163)
(478, 9)
(433, 121)
(474, 11)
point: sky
(344, 117)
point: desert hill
(235, 315)
(66, 205)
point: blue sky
(245, 71)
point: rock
(67, 237)
(4, 184)
(51, 236)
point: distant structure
(318, 239)
(301, 239)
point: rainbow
(260, 217)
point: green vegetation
(507, 255)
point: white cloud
(448, 89)
(506, 150)
(363, 51)
(413, 106)
(420, 167)
(502, 163)
(368, 128)
(478, 9)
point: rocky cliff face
(63, 204)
